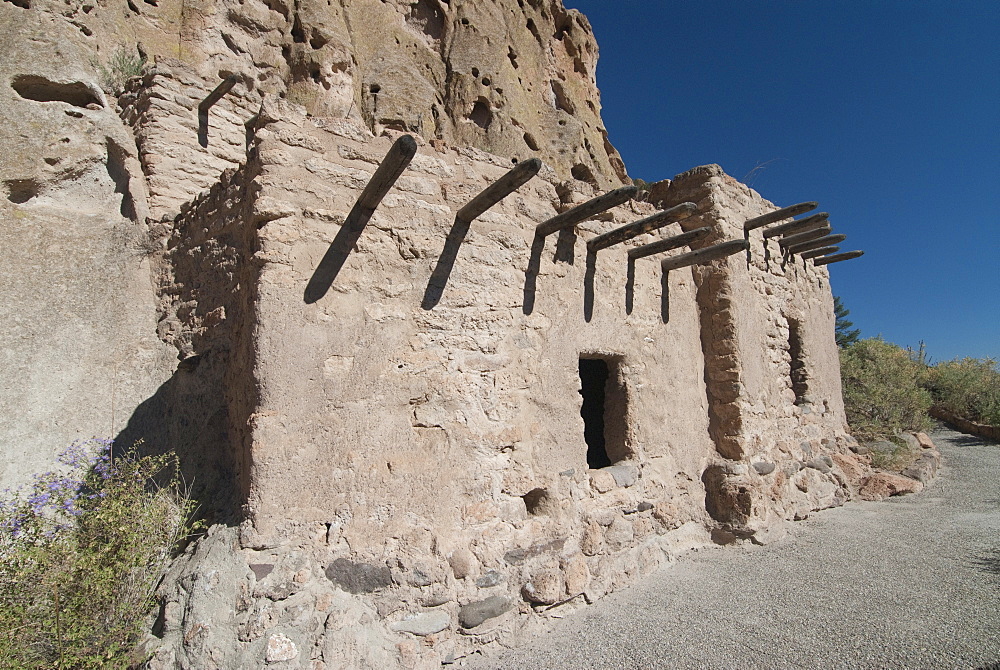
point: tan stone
(576, 575)
(463, 563)
(592, 542)
(854, 467)
(545, 587)
(602, 481)
(881, 485)
(925, 441)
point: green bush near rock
(122, 65)
(967, 387)
(883, 395)
(81, 551)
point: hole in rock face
(533, 29)
(530, 141)
(481, 114)
(583, 173)
(21, 190)
(40, 89)
(603, 410)
(317, 41)
(298, 34)
(512, 56)
(428, 17)
(374, 88)
(475, 72)
(537, 501)
(23, 4)
(487, 81)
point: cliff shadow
(187, 415)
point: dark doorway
(603, 411)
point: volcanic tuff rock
(512, 77)
(78, 316)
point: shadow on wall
(188, 415)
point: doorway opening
(603, 410)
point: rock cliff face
(512, 77)
(78, 315)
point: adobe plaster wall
(413, 450)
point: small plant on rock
(81, 550)
(122, 65)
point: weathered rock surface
(881, 485)
(516, 79)
(78, 317)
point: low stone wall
(964, 425)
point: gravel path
(913, 582)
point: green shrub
(81, 551)
(882, 394)
(968, 387)
(122, 65)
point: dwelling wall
(162, 109)
(748, 301)
(373, 400)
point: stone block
(476, 613)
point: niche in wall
(797, 363)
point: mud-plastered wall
(411, 433)
(771, 359)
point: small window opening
(797, 364)
(603, 411)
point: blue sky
(886, 112)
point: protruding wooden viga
(669, 243)
(499, 189)
(807, 236)
(705, 255)
(392, 166)
(822, 251)
(799, 225)
(816, 244)
(826, 260)
(571, 217)
(779, 214)
(642, 226)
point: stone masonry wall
(410, 447)
(162, 108)
(750, 304)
